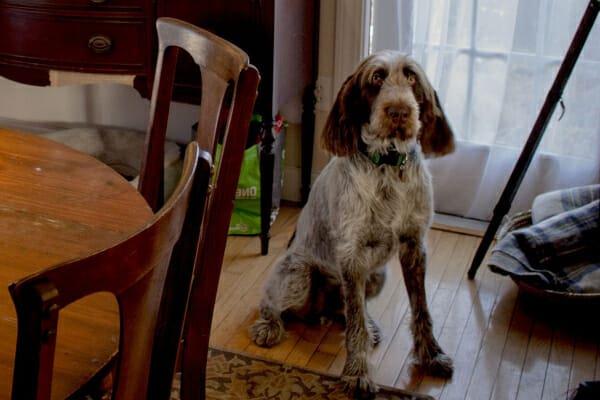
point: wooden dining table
(57, 204)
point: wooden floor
(504, 345)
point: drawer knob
(99, 1)
(100, 44)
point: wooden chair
(132, 270)
(229, 88)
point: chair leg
(194, 386)
(194, 352)
(267, 163)
(308, 126)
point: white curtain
(492, 63)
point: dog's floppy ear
(436, 135)
(341, 134)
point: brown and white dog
(373, 200)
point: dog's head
(391, 102)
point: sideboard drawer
(73, 43)
(88, 5)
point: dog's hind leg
(428, 353)
(288, 288)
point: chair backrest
(132, 270)
(229, 85)
(228, 92)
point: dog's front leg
(427, 351)
(356, 372)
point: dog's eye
(378, 78)
(411, 77)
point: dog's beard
(399, 133)
(397, 139)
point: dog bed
(553, 251)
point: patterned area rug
(238, 376)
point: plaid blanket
(562, 252)
(549, 204)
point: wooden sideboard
(97, 36)
(119, 37)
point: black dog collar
(391, 157)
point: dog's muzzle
(400, 122)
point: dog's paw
(359, 387)
(267, 333)
(440, 365)
(375, 334)
(357, 382)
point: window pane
(526, 27)
(496, 25)
(522, 100)
(489, 77)
(577, 133)
(460, 24)
(456, 98)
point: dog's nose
(398, 114)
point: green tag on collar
(392, 158)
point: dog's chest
(392, 201)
